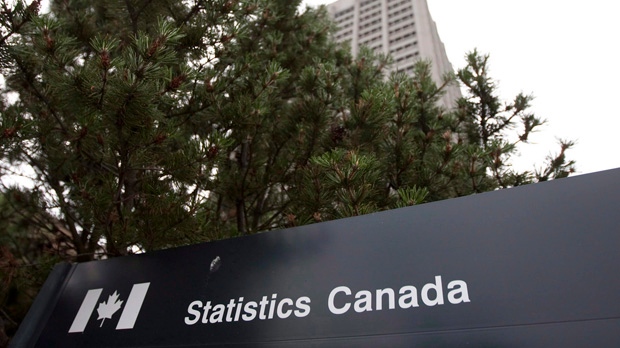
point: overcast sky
(564, 52)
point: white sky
(564, 52)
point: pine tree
(147, 124)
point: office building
(402, 28)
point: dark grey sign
(534, 266)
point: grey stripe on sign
(132, 306)
(86, 310)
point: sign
(533, 266)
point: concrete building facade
(402, 28)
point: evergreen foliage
(139, 125)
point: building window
(343, 12)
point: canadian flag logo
(107, 309)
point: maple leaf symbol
(106, 310)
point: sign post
(532, 266)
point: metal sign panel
(533, 266)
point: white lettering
(303, 307)
(380, 294)
(272, 306)
(332, 296)
(364, 301)
(284, 314)
(438, 293)
(408, 298)
(461, 288)
(432, 294)
(194, 312)
(340, 300)
(217, 314)
(249, 311)
(205, 315)
(239, 307)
